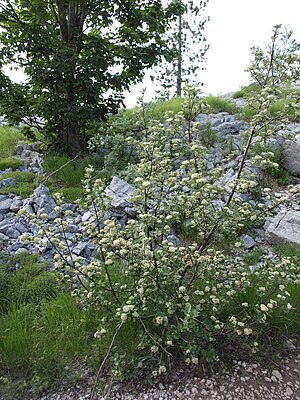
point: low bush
(184, 296)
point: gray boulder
(248, 241)
(42, 201)
(120, 192)
(291, 154)
(8, 182)
(16, 204)
(227, 178)
(231, 128)
(284, 228)
(5, 205)
(5, 225)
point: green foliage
(278, 108)
(71, 76)
(218, 104)
(253, 257)
(275, 172)
(13, 163)
(8, 141)
(247, 113)
(247, 91)
(283, 54)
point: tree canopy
(79, 56)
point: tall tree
(79, 56)
(186, 39)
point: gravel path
(245, 381)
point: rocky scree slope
(284, 226)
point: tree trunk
(71, 20)
(179, 58)
(69, 136)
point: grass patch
(26, 183)
(66, 174)
(44, 333)
(24, 190)
(253, 257)
(247, 91)
(23, 176)
(8, 141)
(247, 113)
(277, 107)
(288, 250)
(66, 177)
(13, 163)
(218, 104)
(42, 329)
(70, 194)
(159, 108)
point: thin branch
(106, 358)
(58, 169)
(154, 340)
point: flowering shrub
(180, 292)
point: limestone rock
(5, 205)
(8, 182)
(284, 228)
(291, 153)
(248, 241)
(42, 201)
(120, 191)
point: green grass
(247, 113)
(63, 177)
(160, 107)
(67, 178)
(42, 329)
(8, 141)
(175, 105)
(26, 183)
(69, 174)
(247, 91)
(12, 163)
(279, 322)
(288, 250)
(253, 257)
(277, 107)
(218, 104)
